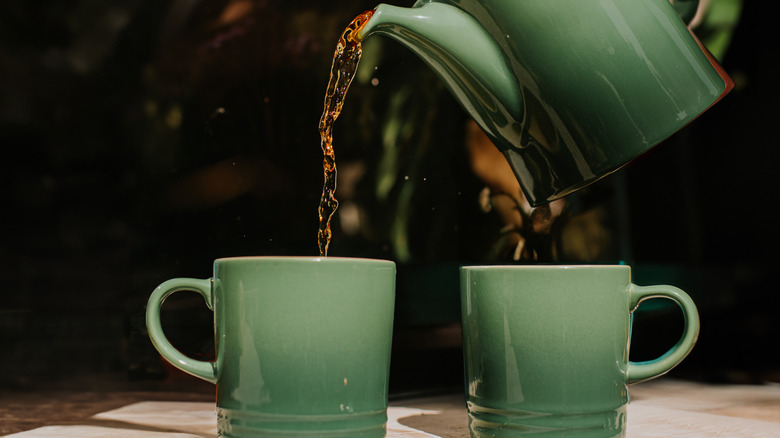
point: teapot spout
(463, 54)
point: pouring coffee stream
(345, 63)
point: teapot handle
(686, 9)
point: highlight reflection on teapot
(568, 91)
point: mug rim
(543, 267)
(304, 259)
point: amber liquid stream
(345, 63)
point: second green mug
(546, 348)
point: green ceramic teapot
(568, 90)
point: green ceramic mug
(302, 344)
(546, 348)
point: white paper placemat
(185, 420)
(661, 410)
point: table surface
(661, 408)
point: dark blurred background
(143, 139)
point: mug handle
(686, 9)
(641, 371)
(198, 368)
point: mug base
(234, 423)
(499, 423)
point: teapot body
(585, 86)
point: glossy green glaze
(546, 348)
(686, 8)
(569, 91)
(302, 344)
